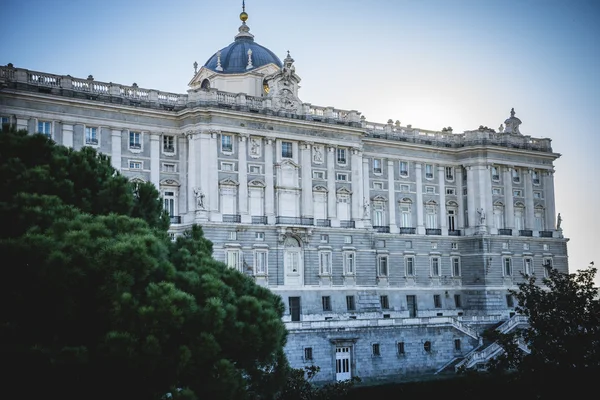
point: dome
(234, 58)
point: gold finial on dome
(243, 14)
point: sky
(428, 63)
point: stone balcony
(132, 95)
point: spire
(244, 30)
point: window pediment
(256, 183)
(405, 200)
(228, 182)
(137, 179)
(287, 163)
(320, 188)
(344, 190)
(170, 182)
(379, 198)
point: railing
(407, 231)
(294, 221)
(235, 218)
(370, 322)
(430, 231)
(92, 141)
(381, 228)
(504, 231)
(323, 222)
(175, 219)
(546, 234)
(347, 224)
(525, 232)
(454, 232)
(259, 220)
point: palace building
(392, 247)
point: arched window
(431, 215)
(499, 215)
(406, 213)
(538, 218)
(452, 212)
(205, 84)
(519, 216)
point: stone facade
(392, 247)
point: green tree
(97, 302)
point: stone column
(67, 136)
(442, 187)
(549, 200)
(460, 218)
(419, 179)
(243, 180)
(392, 197)
(357, 185)
(115, 148)
(471, 191)
(213, 175)
(155, 160)
(331, 193)
(306, 173)
(528, 200)
(269, 188)
(22, 123)
(365, 200)
(191, 173)
(489, 201)
(509, 206)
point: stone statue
(254, 147)
(318, 154)
(558, 221)
(199, 198)
(481, 213)
(366, 209)
(501, 128)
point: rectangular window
(457, 301)
(535, 177)
(168, 144)
(377, 166)
(325, 262)
(260, 262)
(451, 191)
(409, 263)
(504, 245)
(350, 305)
(135, 164)
(294, 304)
(507, 266)
(377, 185)
(168, 167)
(349, 263)
(430, 189)
(324, 238)
(455, 266)
(376, 351)
(382, 262)
(495, 174)
(341, 156)
(326, 300)
(135, 140)
(515, 175)
(318, 174)
(260, 236)
(528, 266)
(233, 259)
(510, 301)
(449, 173)
(457, 345)
(547, 264)
(233, 235)
(45, 127)
(400, 347)
(429, 171)
(404, 169)
(347, 239)
(287, 150)
(169, 202)
(454, 246)
(537, 195)
(435, 266)
(405, 188)
(254, 169)
(5, 120)
(226, 143)
(91, 135)
(226, 166)
(341, 177)
(385, 302)
(437, 301)
(517, 193)
(497, 191)
(308, 354)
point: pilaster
(549, 200)
(243, 180)
(155, 159)
(213, 174)
(471, 205)
(419, 181)
(392, 197)
(509, 206)
(269, 188)
(363, 212)
(116, 146)
(528, 200)
(460, 199)
(442, 198)
(67, 136)
(331, 194)
(306, 172)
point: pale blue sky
(429, 63)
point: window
(91, 135)
(318, 174)
(325, 263)
(254, 169)
(430, 189)
(547, 264)
(449, 173)
(497, 191)
(295, 309)
(435, 266)
(405, 188)
(168, 167)
(4, 121)
(349, 263)
(465, 191)
(234, 259)
(405, 215)
(226, 166)
(451, 214)
(517, 193)
(168, 144)
(504, 245)
(437, 301)
(169, 202)
(308, 354)
(385, 302)
(507, 266)
(347, 239)
(454, 245)
(404, 169)
(456, 266)
(456, 344)
(434, 245)
(409, 266)
(538, 218)
(341, 177)
(227, 143)
(429, 171)
(377, 185)
(350, 305)
(135, 164)
(451, 191)
(427, 346)
(382, 265)
(376, 351)
(538, 195)
(260, 262)
(400, 347)
(528, 266)
(457, 301)
(324, 238)
(45, 127)
(431, 216)
(408, 244)
(233, 235)
(546, 246)
(135, 140)
(535, 177)
(516, 175)
(495, 174)
(525, 246)
(260, 236)
(287, 150)
(341, 156)
(510, 302)
(377, 166)
(326, 300)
